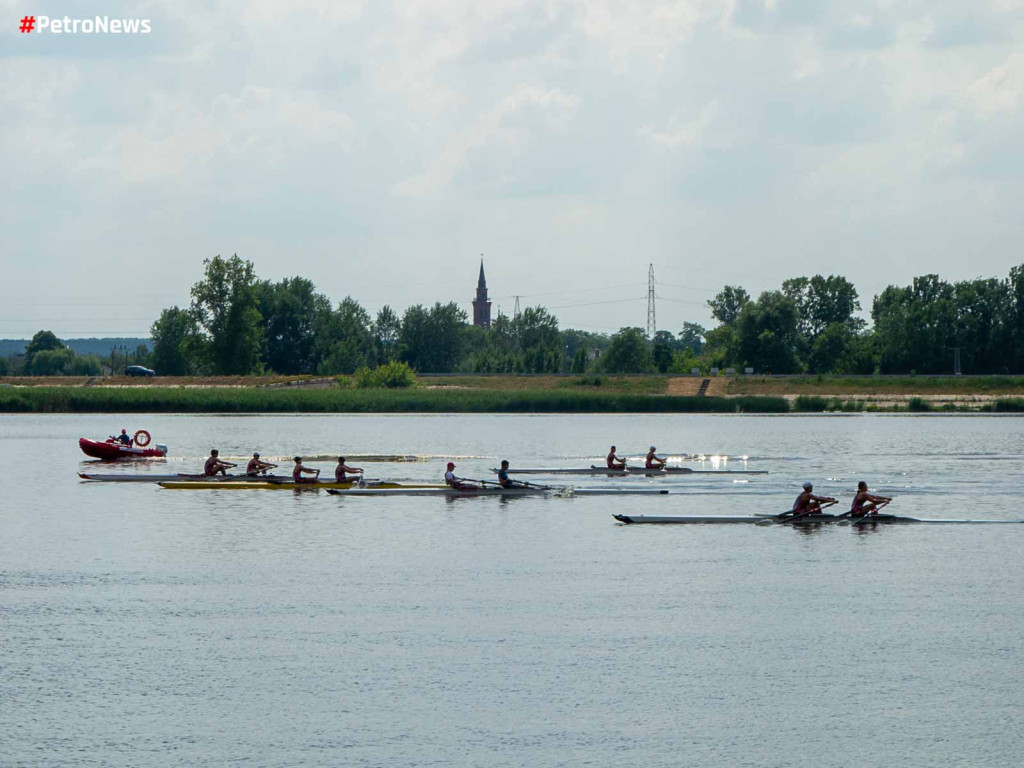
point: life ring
(139, 441)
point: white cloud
(413, 133)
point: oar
(811, 511)
(534, 485)
(867, 517)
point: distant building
(481, 306)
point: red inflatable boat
(112, 449)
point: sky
(379, 149)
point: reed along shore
(262, 400)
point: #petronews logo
(97, 25)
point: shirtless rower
(298, 471)
(613, 461)
(654, 461)
(865, 503)
(257, 466)
(214, 465)
(342, 471)
(807, 503)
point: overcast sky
(379, 148)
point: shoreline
(614, 398)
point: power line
(652, 324)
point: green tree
(387, 328)
(225, 305)
(728, 304)
(50, 362)
(345, 340)
(432, 339)
(175, 336)
(579, 361)
(822, 302)
(692, 337)
(292, 309)
(767, 334)
(629, 352)
(43, 341)
(915, 326)
(83, 365)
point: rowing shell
(155, 478)
(495, 491)
(206, 485)
(592, 470)
(805, 519)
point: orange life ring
(138, 438)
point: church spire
(481, 306)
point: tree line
(238, 324)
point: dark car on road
(138, 370)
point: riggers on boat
(801, 520)
(255, 485)
(594, 470)
(113, 450)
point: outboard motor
(162, 448)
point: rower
(654, 461)
(613, 461)
(807, 503)
(865, 503)
(455, 482)
(257, 466)
(341, 470)
(124, 438)
(214, 465)
(298, 471)
(503, 479)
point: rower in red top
(298, 471)
(342, 472)
(807, 503)
(613, 461)
(865, 503)
(654, 461)
(215, 466)
(257, 466)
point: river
(151, 627)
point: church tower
(481, 306)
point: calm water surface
(147, 627)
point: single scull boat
(592, 470)
(498, 491)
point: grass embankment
(637, 385)
(878, 385)
(221, 400)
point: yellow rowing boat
(207, 485)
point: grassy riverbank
(517, 394)
(337, 400)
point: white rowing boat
(803, 520)
(498, 491)
(593, 470)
